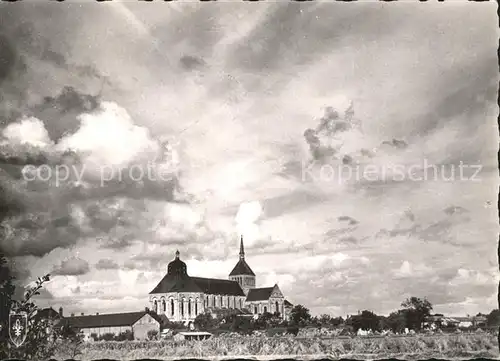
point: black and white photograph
(222, 180)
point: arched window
(164, 304)
(220, 301)
(172, 306)
(213, 301)
(156, 306)
(265, 309)
(256, 311)
(182, 307)
(277, 307)
(189, 307)
(196, 308)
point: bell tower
(242, 273)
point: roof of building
(287, 303)
(177, 267)
(242, 269)
(198, 284)
(215, 286)
(106, 320)
(48, 313)
(259, 294)
(161, 318)
(177, 280)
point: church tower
(242, 273)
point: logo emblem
(18, 327)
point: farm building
(139, 323)
(182, 297)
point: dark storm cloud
(351, 221)
(38, 233)
(59, 113)
(278, 42)
(454, 210)
(190, 62)
(468, 90)
(8, 58)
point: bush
(107, 337)
(125, 336)
(152, 335)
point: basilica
(181, 297)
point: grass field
(265, 348)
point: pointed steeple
(177, 254)
(242, 250)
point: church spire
(242, 250)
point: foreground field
(415, 347)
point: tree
(43, 338)
(417, 310)
(204, 321)
(264, 320)
(396, 321)
(242, 325)
(366, 320)
(299, 315)
(6, 293)
(493, 318)
(70, 343)
(325, 320)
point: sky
(233, 102)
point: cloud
(27, 130)
(235, 126)
(190, 62)
(8, 58)
(72, 267)
(106, 264)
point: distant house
(139, 323)
(464, 322)
(50, 314)
(53, 317)
(439, 321)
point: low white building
(139, 323)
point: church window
(182, 307)
(256, 311)
(196, 308)
(277, 307)
(164, 304)
(220, 301)
(265, 309)
(189, 307)
(171, 306)
(156, 306)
